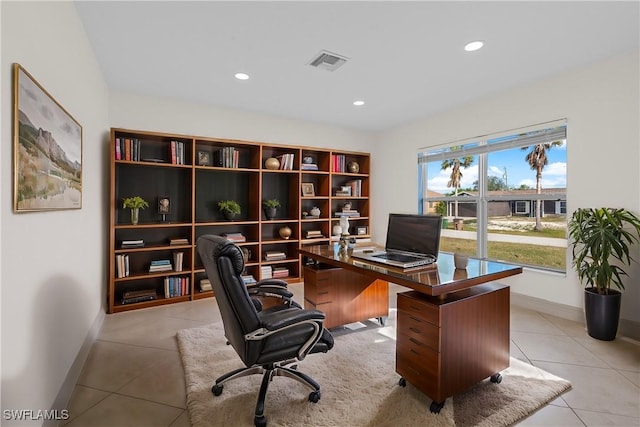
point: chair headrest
(213, 247)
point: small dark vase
(602, 313)
(270, 213)
(229, 216)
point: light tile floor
(133, 375)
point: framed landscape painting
(47, 149)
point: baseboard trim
(64, 395)
(627, 328)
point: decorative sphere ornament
(315, 211)
(353, 167)
(272, 163)
(285, 232)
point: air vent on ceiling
(328, 61)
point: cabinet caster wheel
(217, 390)
(402, 382)
(314, 396)
(260, 421)
(496, 378)
(435, 407)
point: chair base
(268, 372)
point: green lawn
(520, 253)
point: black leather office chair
(266, 340)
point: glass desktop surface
(441, 274)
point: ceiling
(406, 59)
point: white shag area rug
(359, 387)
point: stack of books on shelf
(227, 157)
(176, 152)
(122, 266)
(160, 265)
(205, 285)
(344, 190)
(266, 272)
(176, 286)
(286, 161)
(248, 279)
(235, 237)
(128, 149)
(280, 272)
(309, 167)
(274, 255)
(356, 187)
(351, 213)
(141, 295)
(127, 244)
(314, 234)
(178, 241)
(178, 258)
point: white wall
(601, 104)
(53, 263)
(162, 115)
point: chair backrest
(224, 263)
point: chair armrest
(273, 321)
(268, 290)
(271, 282)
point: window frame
(480, 147)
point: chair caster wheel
(314, 396)
(496, 378)
(402, 382)
(217, 389)
(435, 407)
(260, 421)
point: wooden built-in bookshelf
(202, 172)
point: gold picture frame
(308, 190)
(47, 149)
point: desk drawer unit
(446, 345)
(345, 296)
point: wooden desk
(452, 328)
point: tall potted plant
(601, 239)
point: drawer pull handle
(415, 342)
(415, 319)
(323, 293)
(415, 308)
(417, 331)
(414, 352)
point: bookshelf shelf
(195, 173)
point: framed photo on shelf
(204, 158)
(308, 190)
(361, 230)
(47, 149)
(164, 205)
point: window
(503, 196)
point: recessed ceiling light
(242, 76)
(358, 103)
(470, 47)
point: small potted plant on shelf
(270, 207)
(135, 203)
(229, 208)
(599, 236)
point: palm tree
(537, 159)
(456, 175)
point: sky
(518, 171)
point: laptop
(412, 241)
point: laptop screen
(414, 233)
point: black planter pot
(270, 213)
(229, 216)
(602, 313)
